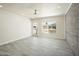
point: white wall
(59, 25)
(13, 27)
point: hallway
(36, 46)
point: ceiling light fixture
(1, 6)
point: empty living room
(39, 29)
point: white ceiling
(43, 9)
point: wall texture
(72, 27)
(13, 27)
(59, 25)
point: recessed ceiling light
(1, 6)
(58, 7)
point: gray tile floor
(36, 46)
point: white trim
(68, 8)
(10, 41)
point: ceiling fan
(35, 12)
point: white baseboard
(3, 43)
